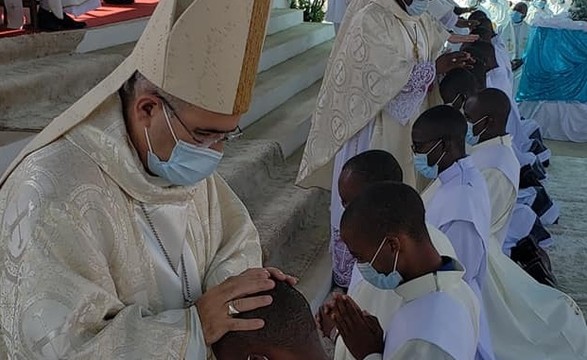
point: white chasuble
(372, 62)
(374, 49)
(529, 320)
(80, 276)
(498, 164)
(510, 295)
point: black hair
(289, 324)
(458, 81)
(386, 208)
(374, 166)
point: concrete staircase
(41, 75)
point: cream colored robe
(371, 62)
(76, 277)
(527, 320)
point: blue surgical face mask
(187, 165)
(517, 17)
(417, 7)
(421, 163)
(377, 279)
(471, 138)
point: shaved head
(374, 166)
(483, 52)
(440, 134)
(492, 103)
(289, 327)
(521, 7)
(388, 219)
(458, 82)
(482, 18)
(478, 15)
(440, 122)
(365, 169)
(384, 208)
(484, 33)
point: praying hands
(360, 331)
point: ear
(145, 107)
(395, 243)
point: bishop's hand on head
(215, 306)
(453, 60)
(361, 332)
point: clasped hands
(215, 305)
(361, 332)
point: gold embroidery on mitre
(259, 17)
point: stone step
(278, 84)
(289, 124)
(316, 282)
(39, 45)
(34, 46)
(280, 4)
(55, 82)
(57, 78)
(282, 19)
(293, 223)
(286, 44)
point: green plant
(313, 9)
(578, 10)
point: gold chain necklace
(413, 40)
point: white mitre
(204, 52)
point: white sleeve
(468, 245)
(419, 350)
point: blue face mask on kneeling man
(188, 163)
(379, 280)
(421, 163)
